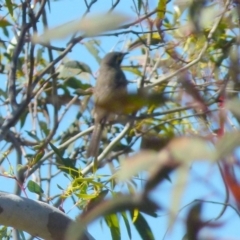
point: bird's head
(113, 59)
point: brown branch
(114, 5)
(11, 121)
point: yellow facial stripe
(119, 58)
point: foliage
(182, 108)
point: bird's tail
(93, 147)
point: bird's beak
(124, 54)
(121, 57)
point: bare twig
(114, 5)
(100, 158)
(9, 122)
(62, 146)
(88, 6)
(192, 63)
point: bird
(111, 81)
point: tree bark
(36, 218)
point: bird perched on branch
(111, 82)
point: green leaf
(44, 127)
(139, 5)
(78, 65)
(74, 83)
(60, 187)
(34, 136)
(90, 45)
(37, 158)
(66, 91)
(9, 7)
(161, 9)
(133, 70)
(34, 187)
(3, 93)
(23, 118)
(6, 33)
(69, 168)
(113, 223)
(142, 227)
(5, 233)
(125, 219)
(66, 164)
(49, 5)
(39, 56)
(73, 69)
(4, 23)
(56, 150)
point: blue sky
(204, 179)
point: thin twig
(88, 6)
(114, 5)
(62, 146)
(100, 158)
(9, 122)
(192, 63)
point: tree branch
(36, 218)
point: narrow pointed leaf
(143, 228)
